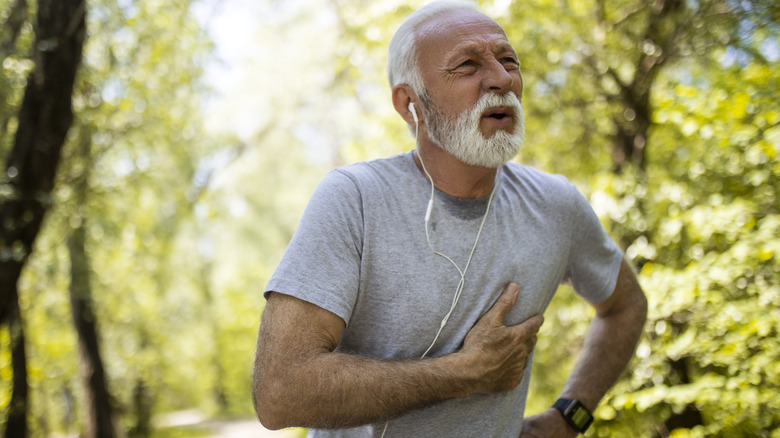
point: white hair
(402, 66)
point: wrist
(464, 380)
(577, 417)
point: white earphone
(414, 113)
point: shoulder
(381, 169)
(358, 183)
(372, 177)
(534, 176)
(535, 184)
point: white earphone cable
(463, 272)
(462, 282)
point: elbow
(638, 316)
(641, 307)
(269, 414)
(269, 421)
(270, 406)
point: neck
(453, 176)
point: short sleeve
(594, 258)
(322, 262)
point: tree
(170, 234)
(43, 122)
(98, 399)
(99, 403)
(137, 134)
(126, 176)
(44, 119)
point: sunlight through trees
(174, 198)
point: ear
(402, 97)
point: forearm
(608, 348)
(609, 344)
(336, 390)
(300, 380)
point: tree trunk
(16, 422)
(219, 391)
(44, 120)
(100, 412)
(142, 408)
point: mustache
(492, 100)
(484, 103)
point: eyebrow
(505, 47)
(474, 49)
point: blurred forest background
(137, 234)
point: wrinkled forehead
(461, 29)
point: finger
(529, 327)
(504, 304)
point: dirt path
(237, 428)
(245, 429)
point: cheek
(519, 86)
(455, 104)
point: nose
(497, 79)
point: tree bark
(142, 408)
(100, 412)
(44, 120)
(16, 422)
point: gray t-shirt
(360, 252)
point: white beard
(460, 136)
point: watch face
(580, 416)
(575, 413)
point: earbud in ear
(414, 113)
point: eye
(510, 61)
(467, 63)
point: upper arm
(292, 331)
(627, 295)
(322, 262)
(291, 326)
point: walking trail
(238, 428)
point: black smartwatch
(577, 415)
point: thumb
(504, 303)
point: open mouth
(499, 113)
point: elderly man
(409, 299)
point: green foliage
(128, 173)
(700, 217)
(16, 37)
(361, 73)
(709, 254)
(184, 224)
